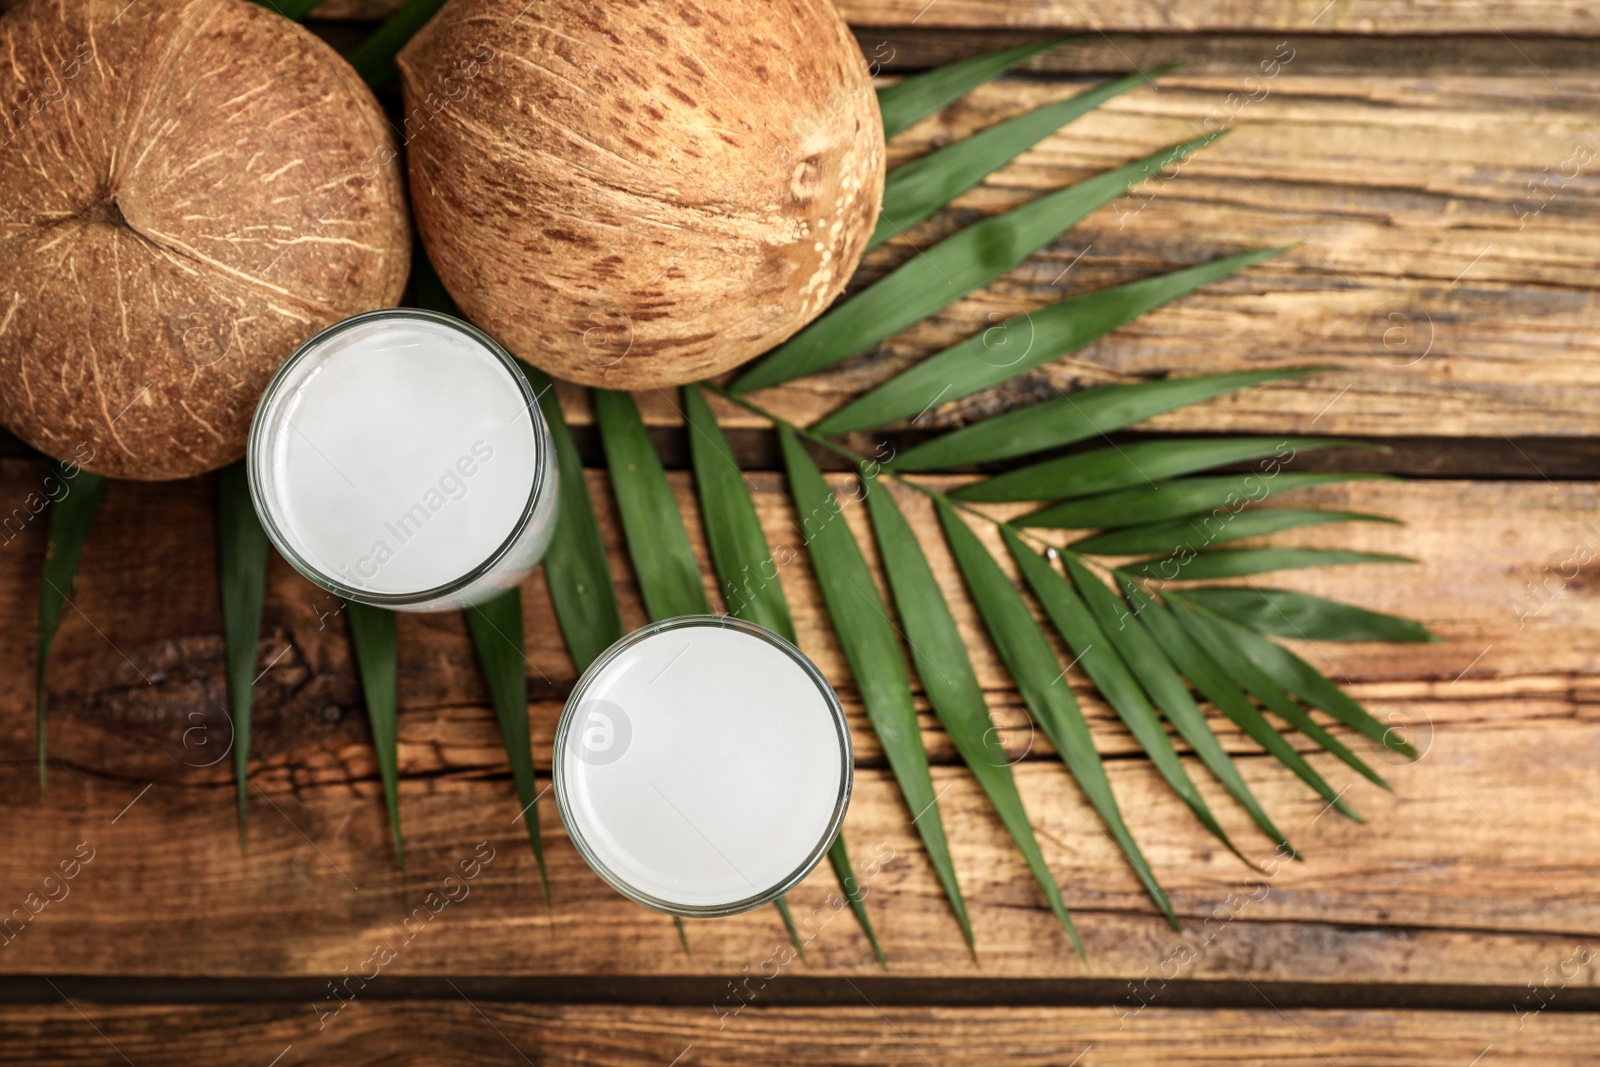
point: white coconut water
(703, 767)
(398, 455)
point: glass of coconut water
(399, 459)
(702, 766)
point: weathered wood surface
(1151, 16)
(483, 1033)
(1472, 872)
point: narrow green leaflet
(1076, 417)
(373, 58)
(739, 551)
(372, 635)
(71, 515)
(1144, 655)
(1214, 684)
(496, 628)
(839, 859)
(1182, 496)
(1298, 677)
(913, 99)
(952, 685)
(1144, 463)
(956, 266)
(575, 566)
(242, 567)
(1033, 665)
(658, 543)
(868, 640)
(1203, 531)
(1238, 562)
(917, 189)
(1285, 613)
(750, 586)
(1113, 650)
(1023, 342)
(1207, 630)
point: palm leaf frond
(71, 515)
(968, 260)
(496, 629)
(1042, 683)
(952, 686)
(1213, 682)
(1285, 613)
(1242, 562)
(1103, 647)
(872, 651)
(1171, 499)
(1075, 417)
(1023, 342)
(915, 190)
(1120, 466)
(242, 565)
(372, 634)
(1217, 528)
(912, 99)
(750, 587)
(373, 58)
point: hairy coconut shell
(189, 189)
(637, 194)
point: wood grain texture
(1377, 17)
(483, 1033)
(1473, 872)
(1439, 257)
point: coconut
(641, 194)
(189, 189)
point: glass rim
(841, 802)
(542, 460)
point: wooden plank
(1433, 263)
(1376, 17)
(1477, 871)
(485, 1032)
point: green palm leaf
(1239, 562)
(915, 190)
(1215, 685)
(575, 565)
(373, 58)
(1285, 613)
(372, 635)
(952, 685)
(1033, 666)
(1202, 531)
(739, 551)
(658, 544)
(71, 515)
(1024, 342)
(242, 565)
(750, 587)
(915, 98)
(868, 640)
(496, 629)
(1106, 649)
(1120, 466)
(1298, 677)
(1210, 631)
(1143, 654)
(1076, 417)
(969, 260)
(1182, 496)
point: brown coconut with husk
(189, 189)
(641, 194)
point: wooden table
(1424, 159)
